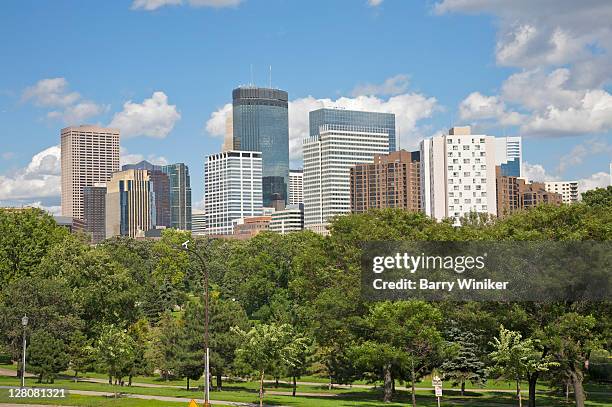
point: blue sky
(163, 70)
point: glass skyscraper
(383, 122)
(180, 195)
(261, 123)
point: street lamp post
(186, 247)
(24, 323)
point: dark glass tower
(261, 123)
(180, 195)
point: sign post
(437, 383)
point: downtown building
(179, 195)
(290, 219)
(130, 204)
(509, 155)
(260, 122)
(89, 156)
(161, 188)
(458, 174)
(569, 190)
(198, 223)
(391, 181)
(296, 187)
(329, 153)
(232, 189)
(516, 194)
(94, 212)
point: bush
(5, 359)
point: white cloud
(51, 209)
(125, 157)
(375, 3)
(583, 151)
(394, 85)
(39, 179)
(52, 92)
(408, 108)
(155, 4)
(537, 173)
(154, 117)
(477, 106)
(597, 180)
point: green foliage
(600, 197)
(47, 356)
(115, 353)
(466, 363)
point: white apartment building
(458, 174)
(291, 219)
(509, 155)
(232, 189)
(89, 155)
(328, 157)
(198, 223)
(296, 187)
(568, 190)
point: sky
(162, 71)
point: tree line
(289, 305)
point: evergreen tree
(466, 363)
(47, 356)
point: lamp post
(185, 247)
(24, 323)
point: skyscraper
(89, 155)
(198, 223)
(180, 195)
(232, 189)
(261, 123)
(458, 174)
(380, 122)
(508, 156)
(296, 187)
(328, 158)
(391, 181)
(94, 211)
(130, 203)
(161, 187)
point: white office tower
(198, 223)
(328, 158)
(458, 174)
(508, 155)
(290, 219)
(232, 189)
(296, 187)
(568, 190)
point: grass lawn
(89, 401)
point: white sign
(438, 391)
(436, 381)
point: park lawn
(90, 401)
(349, 397)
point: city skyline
(555, 95)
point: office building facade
(89, 155)
(94, 212)
(458, 174)
(261, 123)
(291, 219)
(508, 155)
(130, 204)
(232, 189)
(569, 190)
(198, 223)
(161, 188)
(391, 181)
(296, 187)
(328, 158)
(180, 195)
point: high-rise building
(232, 189)
(371, 121)
(516, 194)
(391, 181)
(296, 187)
(228, 139)
(198, 223)
(568, 189)
(328, 158)
(291, 219)
(246, 228)
(89, 155)
(180, 195)
(94, 211)
(130, 203)
(161, 187)
(458, 174)
(508, 155)
(261, 123)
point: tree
(115, 353)
(164, 352)
(80, 353)
(400, 336)
(466, 363)
(514, 358)
(47, 356)
(572, 339)
(266, 345)
(599, 197)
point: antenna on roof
(270, 76)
